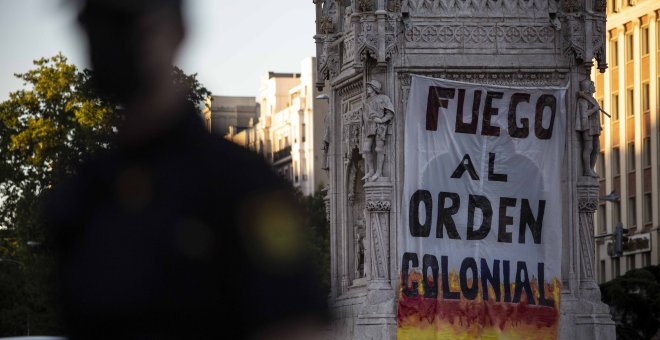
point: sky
(230, 44)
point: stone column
(378, 205)
(587, 192)
(377, 318)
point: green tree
(46, 130)
(634, 300)
(319, 233)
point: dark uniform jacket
(185, 236)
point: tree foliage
(319, 234)
(634, 301)
(46, 130)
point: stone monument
(368, 49)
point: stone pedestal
(583, 315)
(377, 317)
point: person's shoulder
(232, 152)
(241, 164)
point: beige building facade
(221, 112)
(629, 159)
(289, 131)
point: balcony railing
(281, 154)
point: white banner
(480, 242)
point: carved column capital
(379, 206)
(588, 193)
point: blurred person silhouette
(175, 233)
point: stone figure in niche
(587, 122)
(553, 10)
(325, 163)
(366, 5)
(377, 115)
(325, 25)
(394, 5)
(359, 248)
(347, 18)
(328, 18)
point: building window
(646, 259)
(601, 271)
(616, 268)
(295, 172)
(601, 219)
(648, 208)
(632, 209)
(644, 40)
(615, 107)
(629, 47)
(646, 152)
(616, 169)
(303, 133)
(657, 34)
(630, 156)
(615, 55)
(646, 104)
(631, 261)
(630, 102)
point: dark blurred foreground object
(634, 300)
(47, 128)
(176, 234)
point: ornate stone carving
(377, 115)
(587, 190)
(587, 123)
(575, 33)
(574, 36)
(349, 47)
(476, 8)
(379, 205)
(571, 6)
(598, 40)
(394, 5)
(495, 78)
(326, 26)
(480, 36)
(379, 246)
(600, 6)
(329, 61)
(351, 89)
(588, 205)
(367, 40)
(586, 242)
(351, 122)
(365, 5)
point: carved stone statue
(376, 117)
(359, 249)
(325, 164)
(553, 9)
(347, 18)
(365, 5)
(587, 122)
